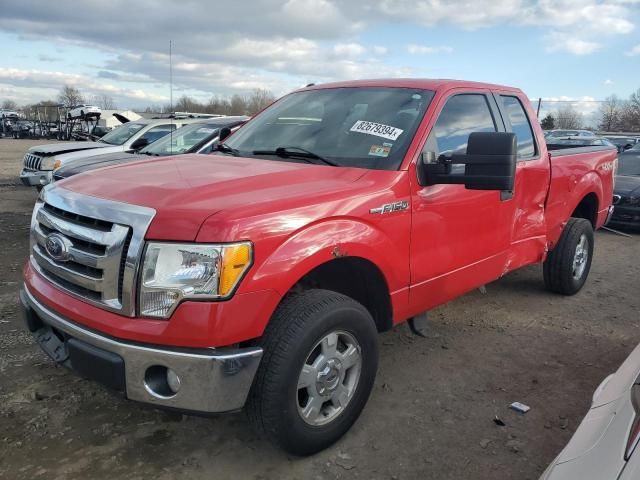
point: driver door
(459, 237)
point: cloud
(567, 43)
(226, 47)
(349, 49)
(48, 58)
(608, 82)
(52, 80)
(426, 50)
(633, 52)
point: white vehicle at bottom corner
(84, 111)
(605, 445)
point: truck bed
(574, 173)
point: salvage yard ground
(430, 414)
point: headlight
(50, 163)
(172, 272)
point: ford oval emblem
(57, 247)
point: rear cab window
(516, 116)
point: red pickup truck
(259, 276)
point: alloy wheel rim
(329, 378)
(580, 257)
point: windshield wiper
(224, 148)
(296, 152)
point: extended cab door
(528, 235)
(459, 237)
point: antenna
(170, 79)
(171, 98)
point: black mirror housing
(224, 133)
(490, 164)
(139, 143)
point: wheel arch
(587, 208)
(344, 255)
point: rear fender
(588, 183)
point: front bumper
(35, 178)
(211, 380)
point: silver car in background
(605, 445)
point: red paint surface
(449, 241)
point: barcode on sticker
(377, 129)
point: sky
(578, 50)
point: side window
(520, 126)
(462, 114)
(158, 132)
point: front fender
(322, 242)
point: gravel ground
(430, 415)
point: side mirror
(139, 143)
(489, 164)
(224, 133)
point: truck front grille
(32, 162)
(91, 262)
(89, 247)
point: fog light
(173, 380)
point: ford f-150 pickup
(259, 276)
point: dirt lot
(430, 415)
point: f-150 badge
(391, 207)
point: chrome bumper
(35, 178)
(211, 380)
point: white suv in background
(40, 161)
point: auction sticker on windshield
(377, 129)
(379, 150)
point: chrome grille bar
(32, 162)
(103, 242)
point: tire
(566, 269)
(301, 328)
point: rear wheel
(318, 369)
(567, 266)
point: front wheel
(567, 265)
(318, 368)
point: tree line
(614, 115)
(69, 96)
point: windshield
(121, 134)
(629, 166)
(355, 127)
(182, 140)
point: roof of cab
(424, 83)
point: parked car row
(587, 137)
(197, 137)
(41, 161)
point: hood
(80, 165)
(187, 189)
(627, 186)
(83, 154)
(65, 147)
